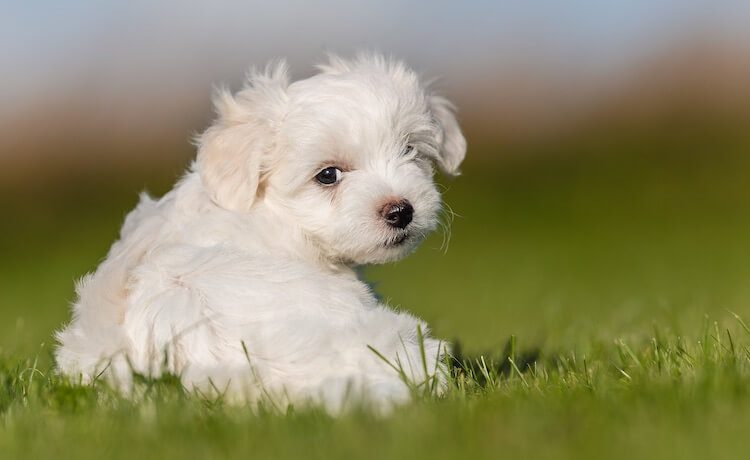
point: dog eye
(328, 176)
(407, 150)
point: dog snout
(397, 214)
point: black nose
(398, 214)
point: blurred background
(605, 190)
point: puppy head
(346, 155)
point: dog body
(243, 277)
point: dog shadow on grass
(485, 367)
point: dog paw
(340, 395)
(385, 396)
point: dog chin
(393, 249)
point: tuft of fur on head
(370, 118)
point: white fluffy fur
(243, 276)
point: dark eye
(408, 149)
(328, 176)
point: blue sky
(48, 46)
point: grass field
(622, 262)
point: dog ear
(232, 152)
(452, 142)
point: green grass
(621, 262)
(681, 398)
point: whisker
(447, 215)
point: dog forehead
(365, 94)
(355, 111)
(346, 145)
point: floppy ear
(452, 142)
(232, 152)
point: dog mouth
(397, 240)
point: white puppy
(243, 276)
